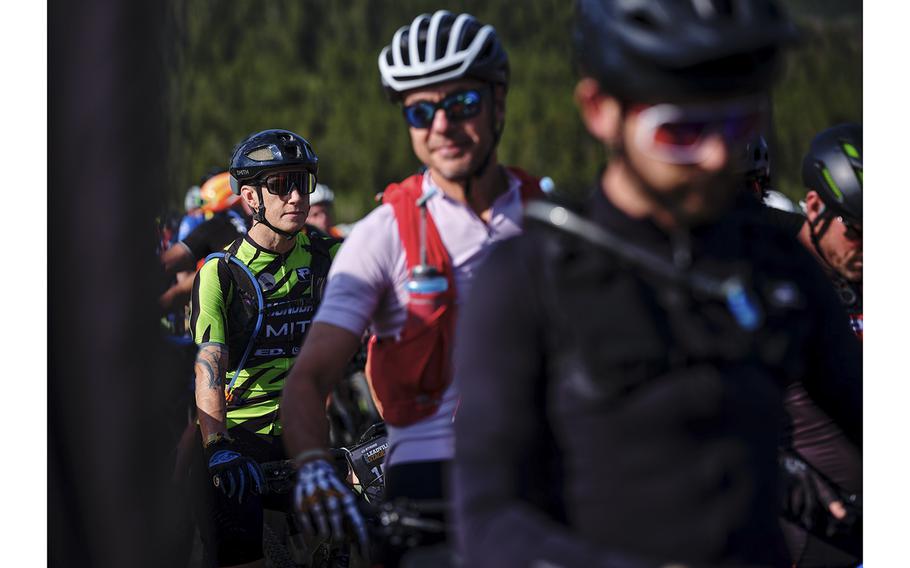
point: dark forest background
(238, 66)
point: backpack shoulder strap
(402, 197)
(395, 191)
(235, 267)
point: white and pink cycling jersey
(366, 290)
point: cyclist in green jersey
(251, 308)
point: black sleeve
(499, 372)
(835, 379)
(209, 237)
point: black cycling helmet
(834, 169)
(442, 47)
(270, 150)
(755, 167)
(756, 161)
(659, 50)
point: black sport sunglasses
(283, 183)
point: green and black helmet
(833, 168)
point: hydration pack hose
(731, 290)
(228, 257)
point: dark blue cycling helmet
(756, 160)
(270, 150)
(833, 168)
(654, 50)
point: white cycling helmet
(322, 194)
(193, 199)
(442, 47)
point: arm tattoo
(211, 361)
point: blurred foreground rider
(407, 266)
(833, 176)
(622, 364)
(251, 309)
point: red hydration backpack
(408, 375)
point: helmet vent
(469, 34)
(262, 154)
(290, 149)
(850, 150)
(423, 29)
(442, 42)
(486, 51)
(403, 50)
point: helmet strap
(259, 217)
(817, 229)
(497, 128)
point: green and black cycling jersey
(225, 309)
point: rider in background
(251, 308)
(824, 465)
(833, 176)
(194, 216)
(193, 202)
(822, 469)
(781, 212)
(406, 266)
(322, 211)
(227, 219)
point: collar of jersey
(249, 240)
(500, 202)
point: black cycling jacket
(611, 418)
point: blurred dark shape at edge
(110, 501)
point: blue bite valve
(547, 185)
(742, 307)
(426, 280)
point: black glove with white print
(327, 507)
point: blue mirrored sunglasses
(457, 106)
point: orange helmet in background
(216, 193)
